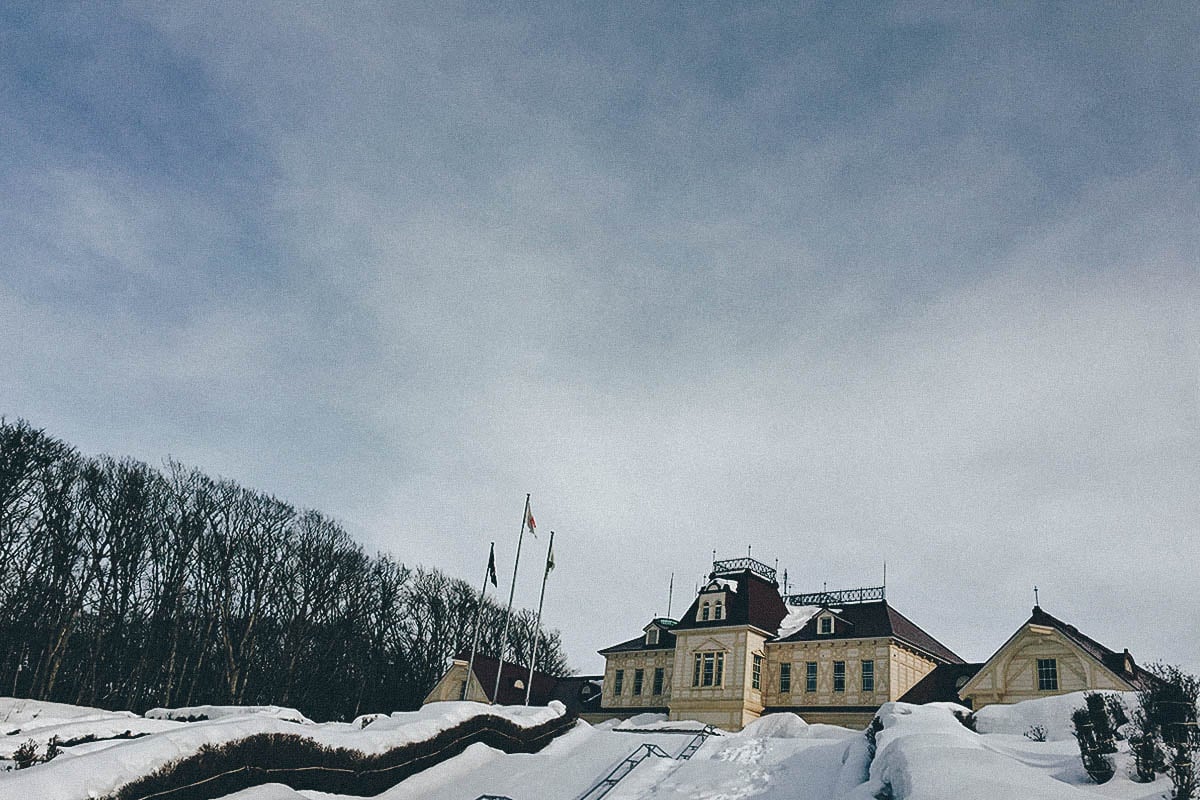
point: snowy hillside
(923, 753)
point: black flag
(492, 566)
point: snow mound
(197, 713)
(19, 714)
(924, 752)
(1052, 713)
(778, 726)
(23, 720)
(268, 791)
(642, 721)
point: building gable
(708, 643)
(1046, 657)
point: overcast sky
(841, 282)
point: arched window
(718, 610)
(704, 611)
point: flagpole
(537, 628)
(511, 591)
(478, 618)
(670, 595)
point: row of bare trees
(127, 586)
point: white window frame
(708, 669)
(1047, 674)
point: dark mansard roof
(751, 600)
(666, 641)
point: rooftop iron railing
(724, 569)
(843, 597)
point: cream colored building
(742, 650)
(1046, 656)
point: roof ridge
(954, 657)
(1071, 631)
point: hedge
(301, 763)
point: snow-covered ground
(22, 720)
(100, 767)
(923, 753)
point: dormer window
(713, 603)
(652, 636)
(825, 625)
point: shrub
(1168, 717)
(1182, 772)
(1117, 712)
(872, 731)
(1097, 707)
(1169, 704)
(1098, 766)
(53, 750)
(1036, 733)
(301, 763)
(26, 755)
(1146, 757)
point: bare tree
(122, 585)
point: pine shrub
(1098, 766)
(1097, 707)
(26, 755)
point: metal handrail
(640, 754)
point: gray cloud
(907, 285)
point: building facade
(742, 649)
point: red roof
(510, 693)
